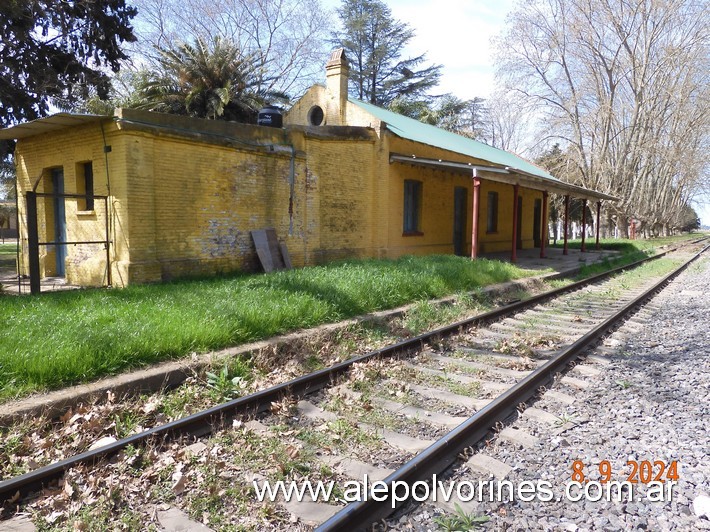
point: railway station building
(141, 197)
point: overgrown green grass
(630, 251)
(626, 245)
(63, 338)
(8, 249)
(8, 254)
(608, 263)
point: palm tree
(207, 81)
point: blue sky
(455, 34)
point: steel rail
(445, 451)
(204, 422)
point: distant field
(627, 245)
(8, 254)
(8, 249)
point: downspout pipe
(109, 211)
(292, 187)
(17, 221)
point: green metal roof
(411, 129)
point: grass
(626, 245)
(229, 382)
(8, 249)
(8, 254)
(426, 315)
(609, 263)
(460, 521)
(630, 251)
(63, 338)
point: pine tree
(374, 42)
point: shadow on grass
(63, 338)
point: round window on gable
(316, 116)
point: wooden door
(60, 222)
(460, 196)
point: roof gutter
(507, 175)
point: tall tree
(205, 80)
(464, 117)
(286, 39)
(374, 42)
(507, 121)
(622, 85)
(51, 49)
(122, 92)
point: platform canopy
(506, 174)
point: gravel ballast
(650, 403)
(642, 397)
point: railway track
(425, 399)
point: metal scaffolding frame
(33, 242)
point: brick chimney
(336, 82)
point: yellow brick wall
(438, 205)
(437, 210)
(35, 157)
(193, 205)
(501, 239)
(186, 195)
(185, 206)
(320, 96)
(341, 177)
(298, 113)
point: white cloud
(456, 34)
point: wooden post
(584, 224)
(566, 224)
(599, 210)
(544, 227)
(476, 209)
(514, 250)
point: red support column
(599, 210)
(566, 224)
(544, 227)
(584, 224)
(476, 209)
(514, 250)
